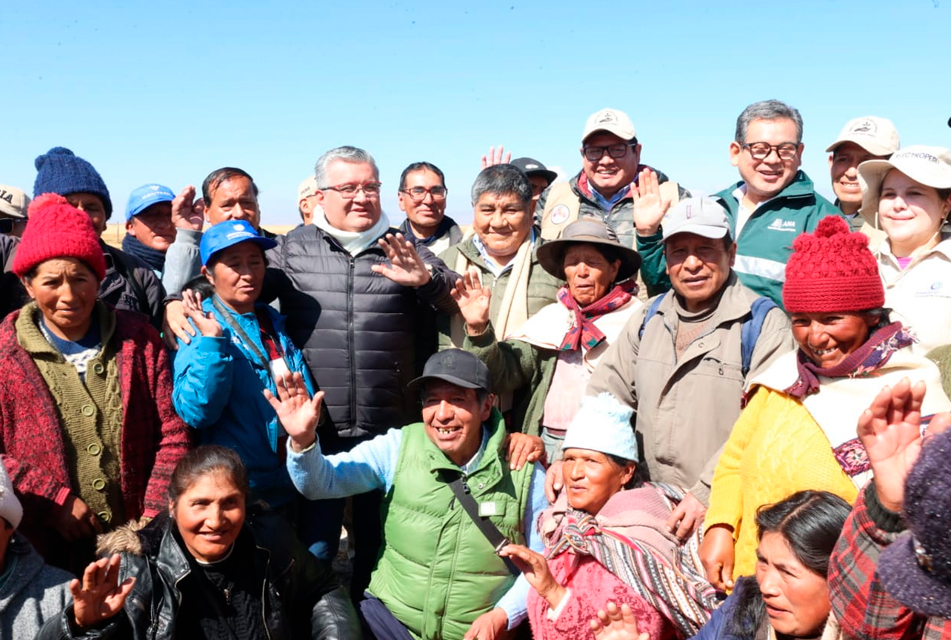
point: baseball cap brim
(445, 377)
(264, 243)
(909, 583)
(147, 202)
(11, 211)
(703, 230)
(871, 147)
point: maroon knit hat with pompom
(832, 270)
(58, 230)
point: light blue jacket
(219, 386)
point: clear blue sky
(166, 92)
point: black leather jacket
(300, 598)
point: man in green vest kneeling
(445, 479)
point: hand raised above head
(187, 212)
(496, 156)
(649, 206)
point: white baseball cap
(876, 135)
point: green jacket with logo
(765, 243)
(437, 572)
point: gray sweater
(31, 594)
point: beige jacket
(920, 296)
(685, 410)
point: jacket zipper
(350, 338)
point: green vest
(437, 572)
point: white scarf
(354, 242)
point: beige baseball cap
(307, 188)
(612, 121)
(931, 166)
(876, 135)
(13, 202)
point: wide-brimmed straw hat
(551, 255)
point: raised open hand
(473, 301)
(187, 212)
(297, 411)
(890, 431)
(406, 267)
(99, 596)
(649, 206)
(495, 157)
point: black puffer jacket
(294, 584)
(358, 329)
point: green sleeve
(653, 264)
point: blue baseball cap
(227, 234)
(144, 197)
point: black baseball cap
(457, 367)
(533, 167)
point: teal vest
(437, 573)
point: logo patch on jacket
(779, 224)
(559, 214)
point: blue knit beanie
(61, 171)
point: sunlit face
(153, 227)
(237, 274)
(910, 213)
(828, 338)
(65, 290)
(502, 222)
(591, 478)
(355, 215)
(588, 273)
(539, 184)
(797, 598)
(426, 214)
(209, 516)
(234, 199)
(93, 207)
(453, 416)
(610, 175)
(698, 267)
(843, 165)
(766, 178)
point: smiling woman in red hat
(797, 431)
(87, 428)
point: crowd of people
(607, 409)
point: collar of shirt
(608, 203)
(473, 463)
(493, 266)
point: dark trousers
(378, 623)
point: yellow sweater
(775, 449)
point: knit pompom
(57, 151)
(58, 230)
(832, 270)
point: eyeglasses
(762, 150)
(418, 194)
(349, 191)
(615, 151)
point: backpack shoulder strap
(651, 312)
(751, 329)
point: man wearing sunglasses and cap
(444, 479)
(606, 186)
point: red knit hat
(832, 270)
(58, 230)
